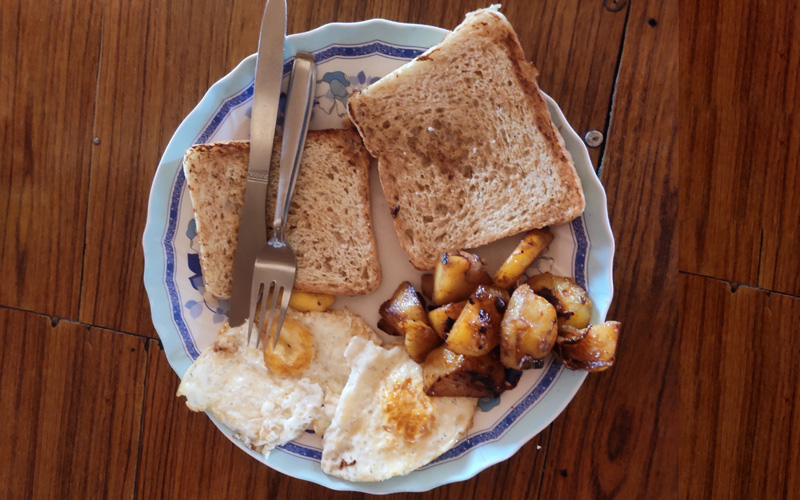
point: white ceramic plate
(351, 56)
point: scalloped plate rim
(478, 458)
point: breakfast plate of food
(454, 260)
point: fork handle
(299, 100)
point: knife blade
(266, 95)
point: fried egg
(231, 381)
(332, 331)
(385, 425)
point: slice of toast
(329, 225)
(467, 151)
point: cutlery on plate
(276, 266)
(266, 95)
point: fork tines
(264, 309)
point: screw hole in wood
(615, 5)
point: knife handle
(299, 100)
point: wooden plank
(618, 437)
(739, 157)
(47, 93)
(71, 406)
(158, 60)
(740, 421)
(184, 455)
(575, 45)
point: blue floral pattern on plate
(339, 87)
(219, 308)
(350, 57)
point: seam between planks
(607, 128)
(147, 346)
(57, 319)
(601, 161)
(92, 149)
(735, 285)
(544, 463)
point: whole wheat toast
(329, 225)
(467, 151)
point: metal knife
(266, 95)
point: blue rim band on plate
(401, 42)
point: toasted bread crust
(415, 162)
(333, 180)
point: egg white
(230, 380)
(365, 441)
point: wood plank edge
(607, 127)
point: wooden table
(90, 93)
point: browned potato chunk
(446, 373)
(427, 286)
(476, 331)
(572, 303)
(592, 349)
(569, 335)
(420, 339)
(385, 326)
(405, 304)
(442, 318)
(522, 257)
(456, 276)
(528, 331)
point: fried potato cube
(528, 331)
(442, 318)
(592, 349)
(385, 326)
(476, 331)
(456, 276)
(405, 304)
(572, 303)
(305, 301)
(427, 285)
(522, 257)
(446, 373)
(420, 339)
(294, 351)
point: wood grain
(77, 394)
(575, 45)
(47, 81)
(185, 456)
(157, 62)
(159, 58)
(740, 431)
(618, 437)
(739, 151)
(71, 409)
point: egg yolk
(407, 410)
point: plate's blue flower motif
(220, 308)
(542, 264)
(195, 308)
(191, 233)
(362, 81)
(339, 87)
(334, 99)
(486, 404)
(196, 279)
(182, 313)
(281, 110)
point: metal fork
(276, 266)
